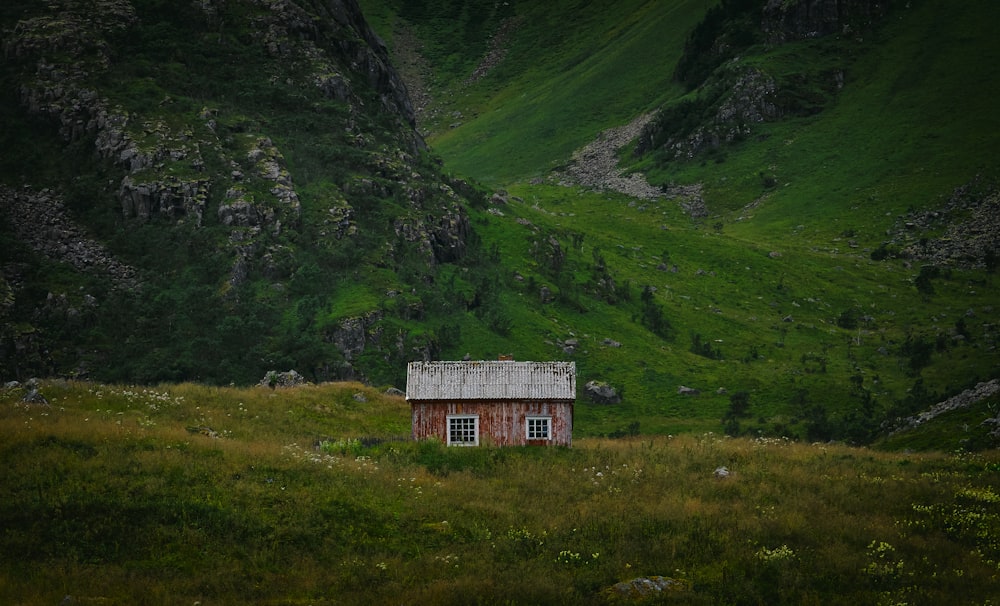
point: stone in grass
(275, 379)
(642, 588)
(32, 395)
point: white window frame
(464, 419)
(531, 429)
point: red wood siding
(501, 422)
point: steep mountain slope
(212, 190)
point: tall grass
(110, 499)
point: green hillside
(775, 290)
(214, 192)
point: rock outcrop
(968, 223)
(967, 398)
(736, 100)
(203, 163)
(785, 20)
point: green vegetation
(176, 494)
(794, 318)
(571, 69)
(788, 290)
(781, 291)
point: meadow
(183, 494)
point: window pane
(538, 428)
(462, 430)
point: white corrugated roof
(490, 380)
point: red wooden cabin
(504, 403)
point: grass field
(177, 494)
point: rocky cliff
(275, 132)
(784, 21)
(730, 97)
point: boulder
(545, 294)
(687, 391)
(601, 393)
(274, 379)
(32, 395)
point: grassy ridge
(116, 494)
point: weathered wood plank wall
(501, 422)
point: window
(463, 430)
(539, 428)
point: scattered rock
(968, 224)
(600, 392)
(995, 422)
(965, 399)
(498, 49)
(39, 219)
(646, 587)
(687, 391)
(204, 430)
(596, 164)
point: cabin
(502, 402)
